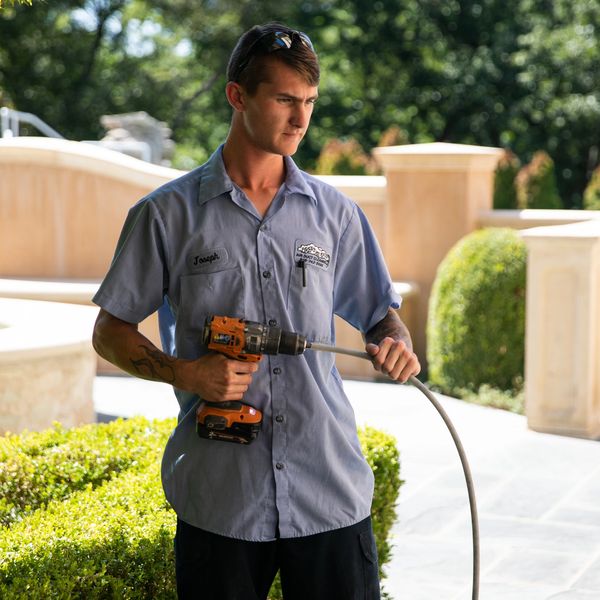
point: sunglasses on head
(271, 42)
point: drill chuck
(248, 340)
(270, 339)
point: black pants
(335, 565)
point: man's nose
(301, 115)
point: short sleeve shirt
(196, 247)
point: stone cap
(366, 189)
(438, 156)
(583, 231)
(89, 158)
(29, 328)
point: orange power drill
(243, 340)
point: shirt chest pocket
(207, 294)
(310, 300)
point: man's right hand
(216, 378)
(213, 377)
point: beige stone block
(45, 389)
(562, 363)
(47, 364)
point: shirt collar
(295, 182)
(215, 181)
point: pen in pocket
(302, 265)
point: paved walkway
(538, 495)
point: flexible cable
(461, 453)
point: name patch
(312, 254)
(207, 259)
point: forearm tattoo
(155, 365)
(390, 326)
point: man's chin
(290, 147)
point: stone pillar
(562, 353)
(435, 193)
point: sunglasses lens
(281, 40)
(305, 40)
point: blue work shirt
(197, 247)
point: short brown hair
(248, 67)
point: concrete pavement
(538, 495)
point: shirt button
(277, 370)
(279, 418)
(266, 274)
(279, 466)
(272, 322)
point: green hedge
(109, 534)
(37, 468)
(476, 321)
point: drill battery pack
(228, 421)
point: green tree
(591, 196)
(505, 192)
(12, 2)
(536, 183)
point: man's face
(277, 116)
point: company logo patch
(312, 254)
(207, 259)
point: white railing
(10, 120)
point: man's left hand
(394, 358)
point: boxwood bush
(36, 468)
(591, 196)
(476, 321)
(109, 533)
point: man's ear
(235, 96)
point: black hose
(461, 453)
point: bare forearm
(123, 345)
(390, 326)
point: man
(249, 235)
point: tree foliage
(520, 74)
(505, 192)
(12, 2)
(536, 184)
(591, 196)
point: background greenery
(520, 74)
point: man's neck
(259, 174)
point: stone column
(435, 193)
(562, 353)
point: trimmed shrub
(382, 455)
(536, 183)
(476, 321)
(115, 539)
(344, 157)
(591, 196)
(38, 467)
(112, 542)
(505, 192)
(394, 136)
